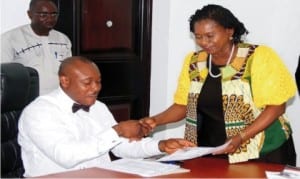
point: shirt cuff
(151, 147)
(107, 140)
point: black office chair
(297, 75)
(19, 86)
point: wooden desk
(200, 168)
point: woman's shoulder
(256, 47)
(266, 53)
(258, 50)
(196, 56)
(265, 48)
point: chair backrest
(297, 75)
(19, 86)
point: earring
(231, 38)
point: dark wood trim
(146, 51)
(133, 65)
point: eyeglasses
(44, 15)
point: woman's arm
(174, 113)
(264, 120)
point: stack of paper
(144, 168)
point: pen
(172, 162)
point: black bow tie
(76, 107)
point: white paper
(192, 152)
(144, 168)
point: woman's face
(212, 37)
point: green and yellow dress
(220, 108)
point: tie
(76, 107)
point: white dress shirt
(54, 139)
(44, 53)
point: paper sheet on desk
(144, 168)
(192, 152)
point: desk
(200, 168)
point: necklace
(227, 63)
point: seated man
(69, 129)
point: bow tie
(76, 107)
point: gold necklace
(227, 63)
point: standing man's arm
(70, 47)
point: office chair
(19, 86)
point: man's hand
(171, 145)
(131, 129)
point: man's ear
(29, 13)
(64, 81)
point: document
(144, 168)
(192, 152)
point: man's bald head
(80, 79)
(71, 63)
(33, 3)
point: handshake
(137, 129)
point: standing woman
(231, 90)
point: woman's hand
(264, 120)
(148, 124)
(233, 144)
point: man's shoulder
(54, 31)
(41, 101)
(100, 104)
(51, 98)
(16, 30)
(57, 33)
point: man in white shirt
(37, 44)
(69, 129)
